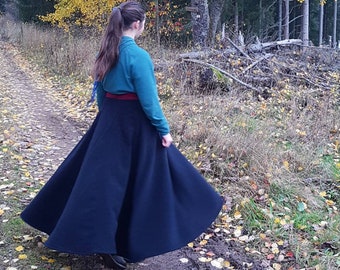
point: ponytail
(108, 53)
(120, 19)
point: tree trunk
(322, 12)
(236, 21)
(334, 22)
(261, 19)
(286, 20)
(305, 23)
(158, 34)
(216, 8)
(200, 22)
(280, 20)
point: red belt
(127, 96)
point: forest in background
(198, 22)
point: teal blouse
(134, 73)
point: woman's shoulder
(139, 51)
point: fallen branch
(262, 46)
(225, 73)
(258, 61)
(238, 48)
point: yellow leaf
(226, 264)
(19, 248)
(275, 250)
(203, 242)
(277, 220)
(286, 165)
(51, 260)
(1, 212)
(22, 257)
(323, 193)
(280, 243)
(283, 222)
(237, 215)
(262, 236)
(330, 202)
(191, 245)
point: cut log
(258, 47)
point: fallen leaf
(19, 248)
(237, 215)
(22, 257)
(203, 242)
(204, 259)
(226, 264)
(330, 202)
(218, 263)
(277, 266)
(210, 254)
(237, 232)
(243, 238)
(323, 193)
(270, 256)
(290, 254)
(184, 260)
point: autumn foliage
(82, 13)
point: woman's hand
(167, 140)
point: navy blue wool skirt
(121, 192)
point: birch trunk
(305, 23)
(286, 20)
(280, 20)
(322, 12)
(335, 17)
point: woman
(125, 191)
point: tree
(91, 13)
(200, 22)
(215, 11)
(305, 22)
(30, 10)
(2, 6)
(335, 16)
(286, 20)
(322, 13)
(280, 20)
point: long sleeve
(146, 88)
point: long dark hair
(120, 19)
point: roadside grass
(277, 160)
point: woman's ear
(136, 25)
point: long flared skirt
(120, 191)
